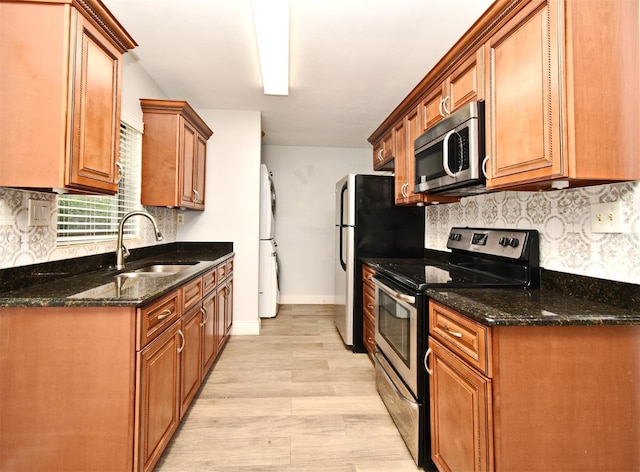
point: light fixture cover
(271, 20)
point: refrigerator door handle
(342, 192)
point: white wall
(136, 84)
(304, 179)
(232, 205)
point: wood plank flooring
(292, 399)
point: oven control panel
(510, 243)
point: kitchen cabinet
(191, 351)
(532, 398)
(369, 309)
(383, 153)
(209, 322)
(405, 133)
(174, 147)
(158, 396)
(60, 89)
(224, 304)
(561, 108)
(463, 85)
(126, 374)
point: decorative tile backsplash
(563, 219)
(21, 244)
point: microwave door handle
(445, 153)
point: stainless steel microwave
(449, 156)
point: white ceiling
(351, 61)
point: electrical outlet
(39, 212)
(607, 217)
(180, 219)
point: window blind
(86, 219)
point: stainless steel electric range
(479, 258)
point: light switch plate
(39, 212)
(607, 217)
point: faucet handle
(125, 252)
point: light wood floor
(291, 399)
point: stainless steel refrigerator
(368, 224)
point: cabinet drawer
(222, 271)
(191, 294)
(368, 300)
(229, 266)
(470, 340)
(153, 319)
(367, 273)
(209, 281)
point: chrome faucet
(122, 252)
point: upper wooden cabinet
(562, 94)
(560, 84)
(383, 153)
(463, 85)
(60, 87)
(174, 148)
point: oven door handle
(395, 294)
(376, 353)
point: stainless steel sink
(158, 270)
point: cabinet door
(96, 109)
(400, 144)
(221, 305)
(432, 111)
(228, 314)
(523, 104)
(158, 395)
(461, 421)
(200, 174)
(465, 82)
(209, 341)
(187, 159)
(191, 356)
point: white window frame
(94, 219)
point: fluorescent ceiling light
(271, 20)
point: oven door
(397, 331)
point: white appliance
(268, 283)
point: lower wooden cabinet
(368, 310)
(532, 398)
(104, 388)
(460, 414)
(158, 396)
(191, 358)
(208, 326)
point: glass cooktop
(422, 276)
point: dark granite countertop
(92, 281)
(537, 307)
(563, 299)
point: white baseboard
(245, 328)
(307, 299)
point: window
(86, 219)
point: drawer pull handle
(426, 362)
(452, 333)
(183, 341)
(370, 340)
(369, 305)
(165, 314)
